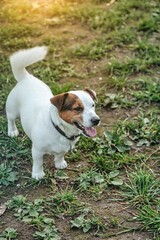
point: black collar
(72, 138)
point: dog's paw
(38, 175)
(61, 165)
(13, 133)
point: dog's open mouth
(87, 131)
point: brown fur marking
(69, 107)
(92, 94)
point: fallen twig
(121, 232)
(111, 2)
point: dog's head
(78, 108)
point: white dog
(53, 123)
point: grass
(95, 50)
(113, 49)
(144, 130)
(147, 91)
(142, 188)
(150, 219)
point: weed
(60, 88)
(88, 179)
(142, 187)
(147, 50)
(150, 25)
(95, 181)
(24, 208)
(31, 213)
(8, 234)
(114, 142)
(127, 68)
(115, 100)
(53, 70)
(86, 224)
(86, 144)
(47, 233)
(122, 37)
(16, 43)
(7, 175)
(9, 39)
(148, 91)
(64, 201)
(150, 218)
(21, 30)
(95, 50)
(144, 130)
(103, 162)
(16, 202)
(12, 148)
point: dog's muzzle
(88, 131)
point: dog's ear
(92, 94)
(59, 100)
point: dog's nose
(95, 121)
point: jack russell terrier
(53, 123)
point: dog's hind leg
(37, 169)
(12, 129)
(11, 116)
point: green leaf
(33, 213)
(99, 179)
(27, 220)
(78, 222)
(146, 120)
(108, 136)
(111, 150)
(122, 148)
(87, 227)
(113, 174)
(128, 143)
(117, 182)
(61, 175)
(143, 142)
(48, 220)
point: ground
(110, 189)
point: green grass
(53, 70)
(142, 188)
(150, 219)
(142, 129)
(95, 50)
(147, 91)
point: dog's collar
(72, 138)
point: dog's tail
(21, 59)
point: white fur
(30, 100)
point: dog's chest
(60, 145)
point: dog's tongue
(91, 131)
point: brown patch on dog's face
(92, 94)
(69, 106)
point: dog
(53, 123)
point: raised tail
(21, 59)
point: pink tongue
(91, 131)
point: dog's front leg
(37, 169)
(60, 163)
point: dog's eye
(78, 109)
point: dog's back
(30, 94)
